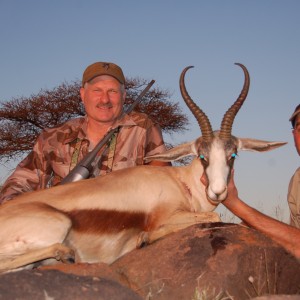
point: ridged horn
(226, 125)
(200, 116)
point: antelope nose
(222, 194)
(218, 195)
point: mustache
(107, 105)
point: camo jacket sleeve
(31, 173)
(49, 158)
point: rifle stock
(83, 168)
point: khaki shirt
(57, 150)
(294, 199)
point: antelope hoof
(143, 239)
(66, 256)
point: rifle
(83, 168)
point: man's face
(296, 133)
(103, 99)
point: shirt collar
(79, 131)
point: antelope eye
(233, 155)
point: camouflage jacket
(57, 150)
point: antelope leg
(57, 251)
(177, 222)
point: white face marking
(217, 172)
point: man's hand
(231, 189)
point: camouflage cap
(294, 115)
(102, 68)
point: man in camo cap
(58, 150)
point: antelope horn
(226, 125)
(202, 119)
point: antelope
(101, 219)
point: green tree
(23, 118)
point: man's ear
(82, 92)
(124, 95)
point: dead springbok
(101, 219)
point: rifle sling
(111, 153)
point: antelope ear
(258, 145)
(175, 153)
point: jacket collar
(78, 130)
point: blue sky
(44, 43)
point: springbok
(101, 219)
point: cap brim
(294, 115)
